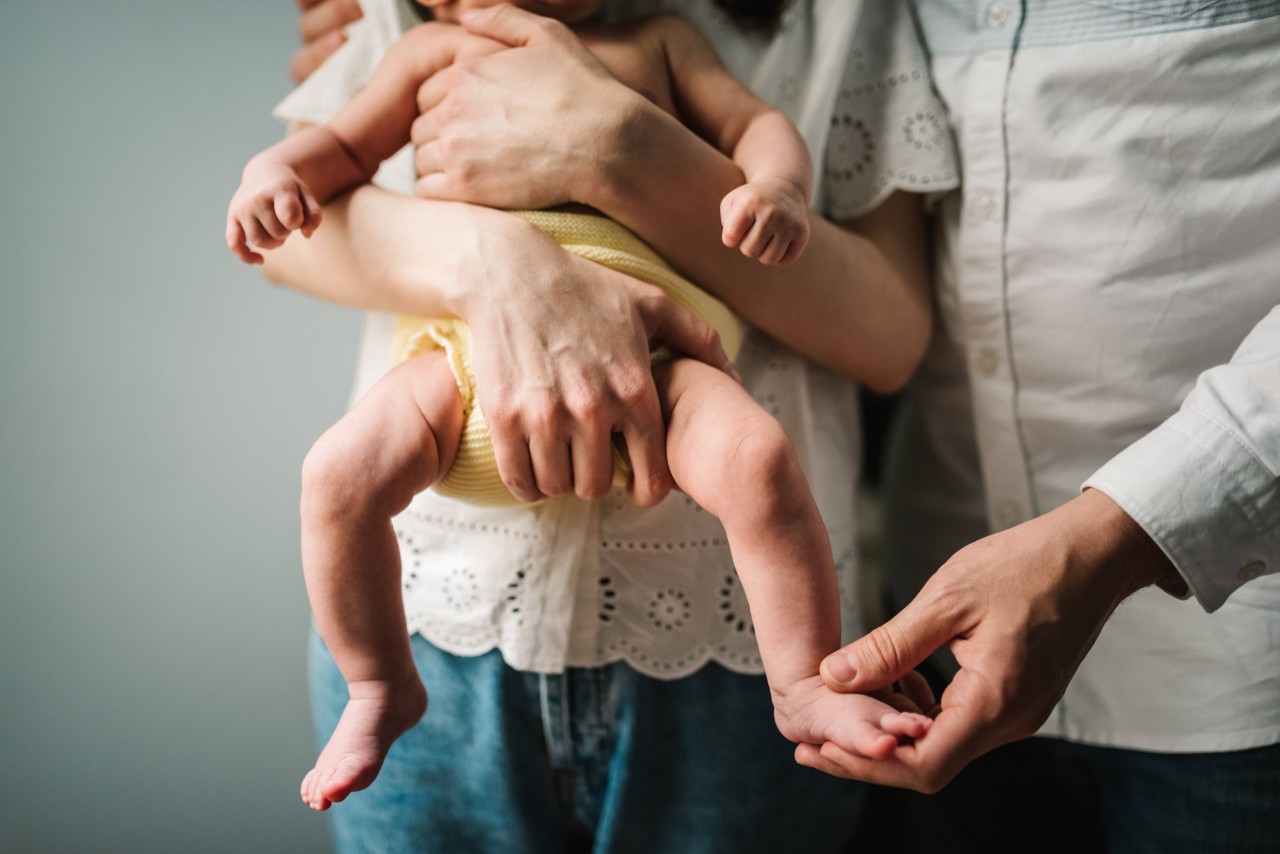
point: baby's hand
(271, 202)
(766, 219)
(810, 712)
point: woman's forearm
(382, 251)
(858, 299)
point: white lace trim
(566, 583)
(888, 129)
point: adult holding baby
(1139, 205)
(602, 650)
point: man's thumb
(880, 657)
(508, 24)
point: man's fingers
(311, 56)
(810, 756)
(886, 654)
(925, 765)
(322, 19)
(426, 158)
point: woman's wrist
(490, 245)
(634, 143)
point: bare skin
(722, 447)
(399, 439)
(857, 301)
(1019, 609)
(661, 57)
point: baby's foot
(809, 711)
(375, 716)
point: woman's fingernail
(839, 668)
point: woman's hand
(320, 28)
(562, 363)
(529, 127)
(561, 344)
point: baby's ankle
(391, 689)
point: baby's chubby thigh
(395, 442)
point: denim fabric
(599, 759)
(1047, 795)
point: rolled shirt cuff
(1205, 498)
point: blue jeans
(596, 759)
(1046, 795)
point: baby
(419, 425)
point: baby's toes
(311, 791)
(908, 724)
(349, 775)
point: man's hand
(1019, 610)
(320, 28)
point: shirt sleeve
(889, 130)
(1205, 484)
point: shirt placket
(982, 275)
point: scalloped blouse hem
(642, 662)
(932, 190)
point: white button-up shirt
(1108, 283)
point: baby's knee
(328, 481)
(756, 457)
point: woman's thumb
(880, 657)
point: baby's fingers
(775, 250)
(737, 220)
(239, 244)
(757, 240)
(312, 214)
(288, 209)
(265, 231)
(794, 248)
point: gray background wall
(156, 400)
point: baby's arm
(283, 187)
(766, 218)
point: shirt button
(997, 14)
(988, 362)
(1251, 570)
(1008, 513)
(984, 207)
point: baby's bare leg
(737, 462)
(394, 443)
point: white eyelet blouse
(571, 583)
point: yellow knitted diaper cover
(474, 475)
